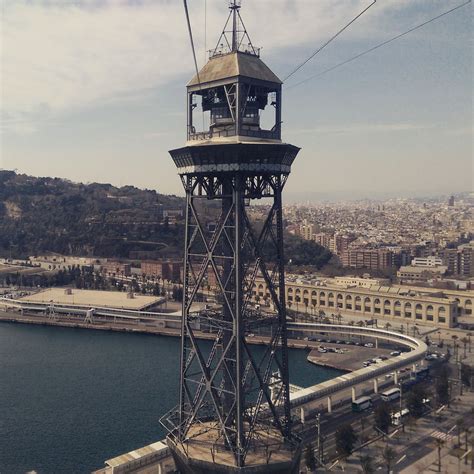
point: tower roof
(233, 64)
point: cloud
(58, 56)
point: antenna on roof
(237, 38)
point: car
(339, 342)
(349, 342)
(368, 344)
(367, 363)
(357, 343)
(395, 353)
(322, 350)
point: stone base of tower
(204, 453)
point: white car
(368, 344)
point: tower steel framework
(234, 407)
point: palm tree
(455, 338)
(460, 425)
(439, 445)
(366, 464)
(465, 341)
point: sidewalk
(416, 450)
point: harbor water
(72, 398)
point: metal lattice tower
(234, 409)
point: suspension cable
(191, 39)
(328, 41)
(377, 46)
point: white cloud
(58, 56)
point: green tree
(415, 400)
(466, 374)
(345, 440)
(442, 385)
(383, 417)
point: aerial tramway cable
(191, 39)
(328, 41)
(377, 46)
(190, 31)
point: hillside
(51, 214)
(40, 215)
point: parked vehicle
(397, 418)
(389, 395)
(361, 404)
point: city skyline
(93, 92)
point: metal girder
(228, 381)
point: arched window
(358, 303)
(468, 307)
(331, 299)
(407, 310)
(418, 311)
(348, 302)
(429, 313)
(387, 307)
(377, 306)
(322, 299)
(367, 304)
(441, 314)
(340, 301)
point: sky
(94, 90)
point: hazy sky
(94, 90)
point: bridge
(326, 390)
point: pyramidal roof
(233, 64)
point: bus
(389, 395)
(397, 418)
(361, 404)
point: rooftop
(234, 64)
(92, 298)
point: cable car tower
(233, 413)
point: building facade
(400, 304)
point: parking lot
(347, 357)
